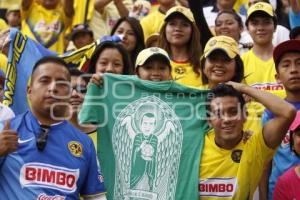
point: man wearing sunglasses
(42, 156)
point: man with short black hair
(43, 156)
(228, 163)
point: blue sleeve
(1, 158)
(294, 19)
(1, 161)
(267, 115)
(93, 183)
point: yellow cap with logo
(225, 43)
(150, 52)
(181, 10)
(261, 6)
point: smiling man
(231, 168)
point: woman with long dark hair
(132, 35)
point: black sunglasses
(42, 137)
(79, 88)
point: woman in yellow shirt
(180, 37)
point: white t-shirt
(281, 34)
(210, 16)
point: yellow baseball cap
(150, 52)
(14, 7)
(261, 6)
(181, 10)
(224, 43)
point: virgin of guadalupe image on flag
(150, 136)
(143, 134)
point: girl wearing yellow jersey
(180, 37)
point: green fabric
(151, 137)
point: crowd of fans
(246, 53)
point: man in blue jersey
(287, 62)
(43, 156)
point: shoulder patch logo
(180, 70)
(236, 155)
(212, 43)
(75, 148)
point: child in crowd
(13, 17)
(81, 35)
(152, 64)
(110, 57)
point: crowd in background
(201, 44)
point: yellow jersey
(152, 23)
(3, 62)
(3, 25)
(83, 11)
(183, 73)
(261, 74)
(9, 3)
(232, 174)
(254, 111)
(93, 136)
(46, 26)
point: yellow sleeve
(261, 154)
(3, 62)
(25, 13)
(93, 136)
(145, 23)
(3, 25)
(82, 9)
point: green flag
(151, 137)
